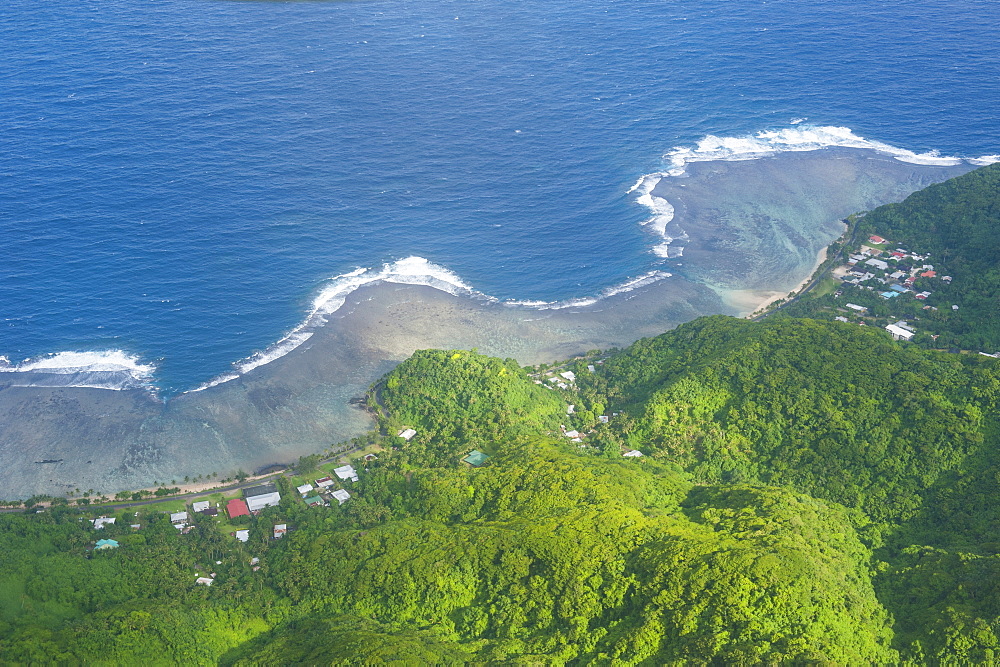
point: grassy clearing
(826, 286)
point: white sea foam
(99, 369)
(662, 212)
(800, 137)
(77, 362)
(668, 251)
(632, 283)
(408, 271)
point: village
(234, 511)
(894, 275)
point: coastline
(751, 302)
(743, 247)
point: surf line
(766, 143)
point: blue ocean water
(179, 179)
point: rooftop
(261, 490)
(475, 458)
(237, 507)
(346, 472)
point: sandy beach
(753, 302)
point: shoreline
(754, 302)
(743, 238)
(670, 221)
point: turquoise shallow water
(179, 180)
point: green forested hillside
(550, 555)
(460, 400)
(837, 411)
(905, 439)
(810, 493)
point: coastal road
(186, 496)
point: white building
(854, 306)
(346, 473)
(201, 506)
(569, 375)
(103, 521)
(406, 434)
(341, 496)
(898, 333)
(243, 535)
(259, 497)
(304, 489)
(877, 263)
(635, 453)
(178, 517)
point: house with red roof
(237, 507)
(876, 239)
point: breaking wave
(102, 369)
(408, 271)
(751, 147)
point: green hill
(811, 492)
(807, 492)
